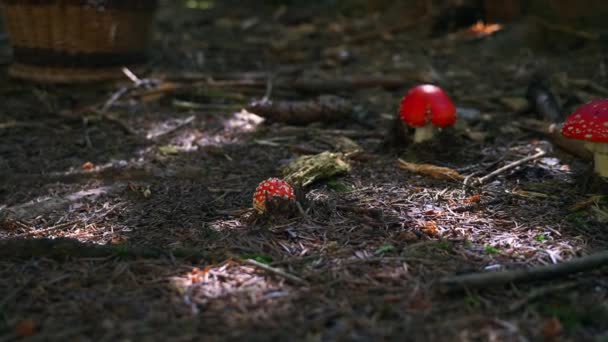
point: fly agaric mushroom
(425, 106)
(272, 190)
(590, 124)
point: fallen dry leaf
(26, 328)
(430, 228)
(551, 329)
(472, 199)
(434, 171)
(88, 166)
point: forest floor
(154, 192)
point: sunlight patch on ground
(242, 122)
(230, 287)
(191, 139)
(486, 232)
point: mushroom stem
(600, 157)
(601, 164)
(424, 133)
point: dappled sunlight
(242, 122)
(234, 291)
(497, 234)
(133, 210)
(182, 138)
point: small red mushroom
(424, 107)
(590, 124)
(270, 190)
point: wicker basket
(71, 41)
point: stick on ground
(491, 279)
(276, 271)
(510, 166)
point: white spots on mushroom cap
(588, 122)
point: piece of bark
(493, 279)
(325, 108)
(308, 169)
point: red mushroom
(425, 106)
(270, 190)
(590, 124)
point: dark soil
(173, 208)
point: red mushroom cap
(425, 103)
(272, 188)
(589, 122)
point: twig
(117, 95)
(87, 137)
(268, 93)
(179, 124)
(554, 133)
(276, 271)
(509, 166)
(114, 97)
(492, 279)
(46, 230)
(111, 118)
(302, 212)
(136, 80)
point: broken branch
(509, 166)
(491, 279)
